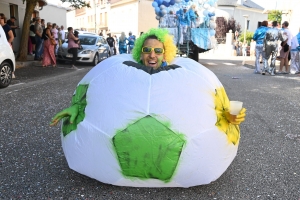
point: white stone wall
(54, 14)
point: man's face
(152, 59)
(13, 20)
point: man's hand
(236, 119)
(71, 112)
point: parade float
(200, 36)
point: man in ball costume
(125, 105)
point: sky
(274, 4)
(267, 4)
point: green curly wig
(163, 36)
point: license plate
(69, 55)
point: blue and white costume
(193, 17)
(184, 22)
(259, 36)
(295, 55)
(270, 47)
(131, 40)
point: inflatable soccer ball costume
(150, 128)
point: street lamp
(246, 17)
(95, 16)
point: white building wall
(54, 14)
(124, 19)
(254, 18)
(292, 15)
(71, 19)
(237, 13)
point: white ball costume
(144, 129)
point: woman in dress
(49, 56)
(122, 43)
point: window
(248, 22)
(13, 12)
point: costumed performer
(270, 47)
(89, 148)
(184, 22)
(294, 56)
(258, 37)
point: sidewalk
(29, 63)
(245, 61)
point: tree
(275, 15)
(30, 5)
(249, 36)
(221, 29)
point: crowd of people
(120, 45)
(275, 43)
(44, 41)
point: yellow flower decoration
(222, 105)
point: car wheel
(96, 60)
(5, 74)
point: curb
(27, 64)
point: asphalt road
(33, 166)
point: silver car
(94, 49)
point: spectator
(111, 42)
(43, 23)
(259, 36)
(234, 48)
(101, 33)
(54, 32)
(11, 23)
(244, 48)
(49, 56)
(285, 49)
(252, 48)
(116, 47)
(131, 40)
(63, 34)
(73, 46)
(32, 35)
(8, 32)
(122, 43)
(38, 38)
(59, 36)
(237, 45)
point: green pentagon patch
(148, 149)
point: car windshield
(87, 40)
